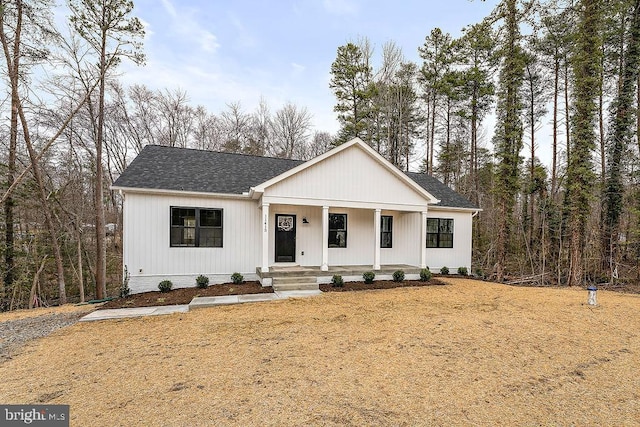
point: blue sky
(238, 50)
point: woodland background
(470, 114)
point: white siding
(350, 176)
(148, 256)
(308, 236)
(360, 238)
(406, 239)
(460, 254)
(360, 241)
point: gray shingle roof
(446, 195)
(169, 168)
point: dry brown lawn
(469, 353)
(43, 311)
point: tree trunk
(474, 144)
(603, 166)
(80, 275)
(48, 217)
(554, 160)
(101, 247)
(34, 285)
(13, 64)
(567, 117)
(433, 132)
(532, 131)
(16, 108)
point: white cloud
(169, 8)
(208, 41)
(185, 25)
(243, 38)
(297, 69)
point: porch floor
(343, 270)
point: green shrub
(398, 276)
(368, 277)
(444, 270)
(337, 281)
(237, 278)
(202, 281)
(479, 273)
(425, 274)
(124, 288)
(165, 286)
(463, 271)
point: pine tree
(476, 54)
(437, 58)
(109, 29)
(351, 84)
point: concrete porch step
(295, 284)
(288, 279)
(296, 287)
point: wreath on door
(285, 223)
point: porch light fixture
(304, 220)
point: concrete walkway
(121, 313)
(198, 302)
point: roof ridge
(221, 152)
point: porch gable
(351, 175)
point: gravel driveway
(15, 333)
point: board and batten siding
(351, 176)
(308, 236)
(149, 258)
(460, 254)
(360, 237)
(406, 239)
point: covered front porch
(295, 277)
(305, 238)
(348, 207)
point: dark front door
(285, 238)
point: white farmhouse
(286, 223)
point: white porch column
(376, 231)
(423, 240)
(265, 237)
(325, 239)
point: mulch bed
(185, 295)
(377, 284)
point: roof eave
(157, 191)
(454, 208)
